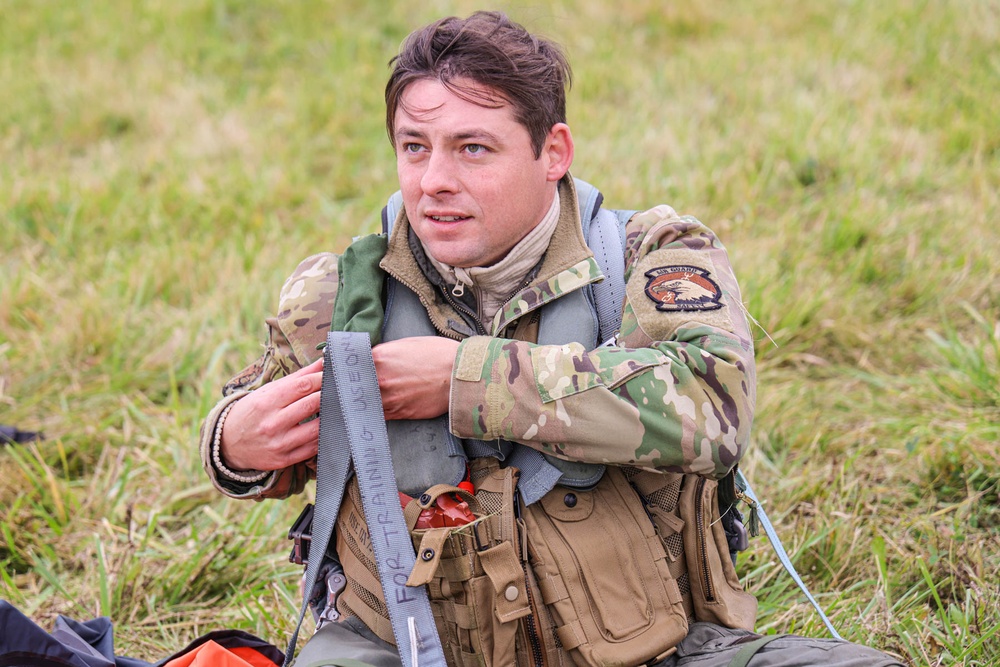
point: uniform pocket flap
(568, 505)
(428, 556)
(502, 566)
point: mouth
(448, 218)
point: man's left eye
(475, 149)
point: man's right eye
(412, 148)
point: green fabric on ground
(745, 654)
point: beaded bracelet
(217, 454)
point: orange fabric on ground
(211, 654)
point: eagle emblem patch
(682, 288)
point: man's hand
(414, 375)
(263, 430)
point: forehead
(429, 102)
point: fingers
(303, 408)
(302, 387)
(311, 368)
(301, 442)
(414, 376)
(253, 441)
(285, 391)
(302, 390)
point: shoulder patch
(673, 287)
(682, 288)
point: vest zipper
(700, 522)
(534, 638)
(460, 307)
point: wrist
(244, 476)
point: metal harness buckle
(301, 533)
(336, 582)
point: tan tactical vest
(581, 577)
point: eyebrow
(474, 135)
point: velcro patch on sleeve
(471, 355)
(674, 286)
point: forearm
(685, 405)
(268, 431)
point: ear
(558, 150)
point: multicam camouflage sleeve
(675, 393)
(306, 307)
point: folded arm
(677, 392)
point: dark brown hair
(501, 57)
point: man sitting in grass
(600, 461)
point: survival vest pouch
(473, 573)
(618, 603)
(685, 511)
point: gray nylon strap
(351, 412)
(332, 466)
(609, 294)
(352, 372)
(772, 535)
(538, 476)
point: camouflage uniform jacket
(676, 393)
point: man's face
(471, 185)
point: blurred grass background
(164, 165)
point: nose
(439, 174)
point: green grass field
(164, 165)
